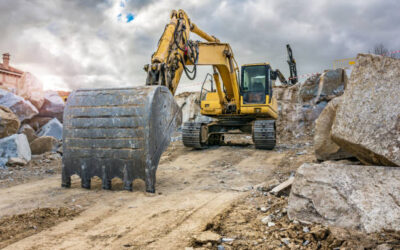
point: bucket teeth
(119, 133)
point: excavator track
(191, 135)
(119, 133)
(264, 134)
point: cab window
(254, 84)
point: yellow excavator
(122, 132)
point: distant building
(9, 76)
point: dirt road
(193, 187)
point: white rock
(266, 219)
(271, 224)
(17, 146)
(351, 196)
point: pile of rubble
(30, 121)
(300, 105)
(364, 123)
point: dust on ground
(16, 227)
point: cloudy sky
(71, 44)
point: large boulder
(52, 128)
(301, 104)
(29, 132)
(365, 198)
(296, 120)
(324, 86)
(9, 122)
(189, 104)
(287, 93)
(21, 107)
(325, 148)
(44, 144)
(53, 105)
(14, 146)
(30, 88)
(367, 123)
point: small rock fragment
(286, 241)
(207, 237)
(271, 224)
(227, 239)
(266, 219)
(15, 161)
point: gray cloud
(73, 44)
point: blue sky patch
(129, 17)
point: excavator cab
(255, 83)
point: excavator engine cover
(118, 132)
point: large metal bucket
(117, 133)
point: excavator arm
(176, 51)
(293, 79)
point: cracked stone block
(367, 122)
(53, 128)
(21, 107)
(357, 197)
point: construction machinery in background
(122, 132)
(293, 79)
